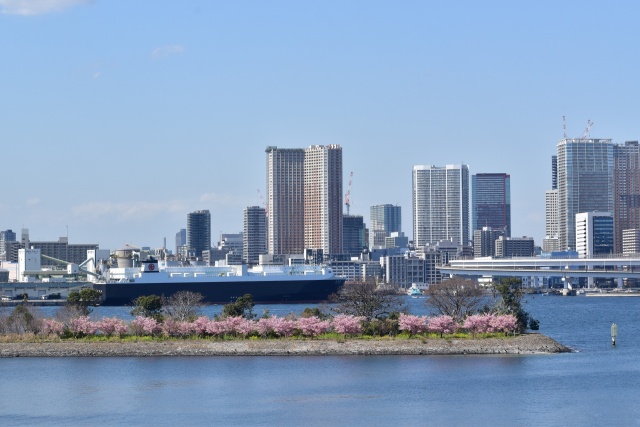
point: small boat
(414, 291)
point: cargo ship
(219, 285)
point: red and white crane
(347, 197)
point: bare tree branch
(368, 300)
(455, 297)
(183, 305)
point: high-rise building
(594, 234)
(384, 220)
(353, 235)
(6, 237)
(585, 183)
(484, 241)
(626, 196)
(304, 199)
(440, 204)
(285, 200)
(198, 232)
(491, 201)
(254, 235)
(323, 198)
(181, 240)
(551, 241)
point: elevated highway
(610, 268)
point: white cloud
(37, 7)
(33, 201)
(128, 211)
(166, 51)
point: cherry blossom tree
(507, 323)
(478, 324)
(145, 326)
(412, 324)
(112, 326)
(83, 326)
(284, 327)
(52, 327)
(442, 325)
(200, 325)
(347, 324)
(312, 326)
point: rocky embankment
(523, 344)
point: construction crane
(564, 127)
(347, 197)
(266, 208)
(586, 132)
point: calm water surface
(597, 385)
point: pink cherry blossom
(312, 326)
(442, 325)
(347, 324)
(412, 324)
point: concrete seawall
(523, 344)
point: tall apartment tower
(323, 198)
(585, 183)
(285, 200)
(440, 204)
(551, 243)
(491, 202)
(626, 193)
(198, 232)
(384, 220)
(304, 199)
(255, 234)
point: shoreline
(526, 344)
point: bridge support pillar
(620, 281)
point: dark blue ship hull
(263, 292)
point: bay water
(598, 384)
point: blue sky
(119, 117)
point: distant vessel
(266, 284)
(414, 291)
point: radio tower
(347, 197)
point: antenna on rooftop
(564, 127)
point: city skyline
(113, 140)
